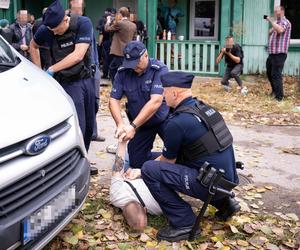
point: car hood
(30, 102)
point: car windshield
(7, 58)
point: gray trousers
(233, 73)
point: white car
(44, 171)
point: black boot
(227, 208)
(175, 234)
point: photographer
(234, 59)
(278, 45)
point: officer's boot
(227, 207)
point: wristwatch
(133, 125)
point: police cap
(54, 15)
(132, 54)
(177, 79)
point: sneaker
(112, 149)
(227, 88)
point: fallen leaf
(242, 243)
(151, 244)
(73, 240)
(248, 229)
(292, 216)
(266, 230)
(270, 246)
(233, 229)
(144, 237)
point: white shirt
(121, 193)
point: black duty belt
(136, 194)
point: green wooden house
(200, 45)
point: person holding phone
(234, 55)
(279, 40)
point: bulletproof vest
(218, 137)
(63, 45)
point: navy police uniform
(78, 80)
(138, 90)
(164, 180)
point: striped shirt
(279, 42)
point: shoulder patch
(155, 66)
(121, 69)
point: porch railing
(190, 56)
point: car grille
(31, 186)
(18, 149)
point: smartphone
(265, 16)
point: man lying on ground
(132, 196)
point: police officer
(70, 38)
(195, 133)
(139, 80)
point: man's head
(177, 87)
(172, 3)
(22, 17)
(135, 56)
(55, 18)
(229, 42)
(4, 23)
(135, 215)
(77, 7)
(133, 17)
(279, 11)
(124, 12)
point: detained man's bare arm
(118, 166)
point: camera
(265, 16)
(227, 49)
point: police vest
(63, 45)
(218, 137)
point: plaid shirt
(279, 42)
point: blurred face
(229, 43)
(77, 7)
(278, 13)
(143, 63)
(23, 18)
(170, 96)
(172, 3)
(62, 27)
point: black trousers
(275, 64)
(116, 62)
(233, 72)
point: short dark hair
(228, 37)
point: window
(204, 19)
(292, 13)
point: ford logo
(37, 145)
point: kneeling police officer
(195, 134)
(70, 38)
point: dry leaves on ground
(101, 226)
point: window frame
(192, 25)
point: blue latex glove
(50, 72)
